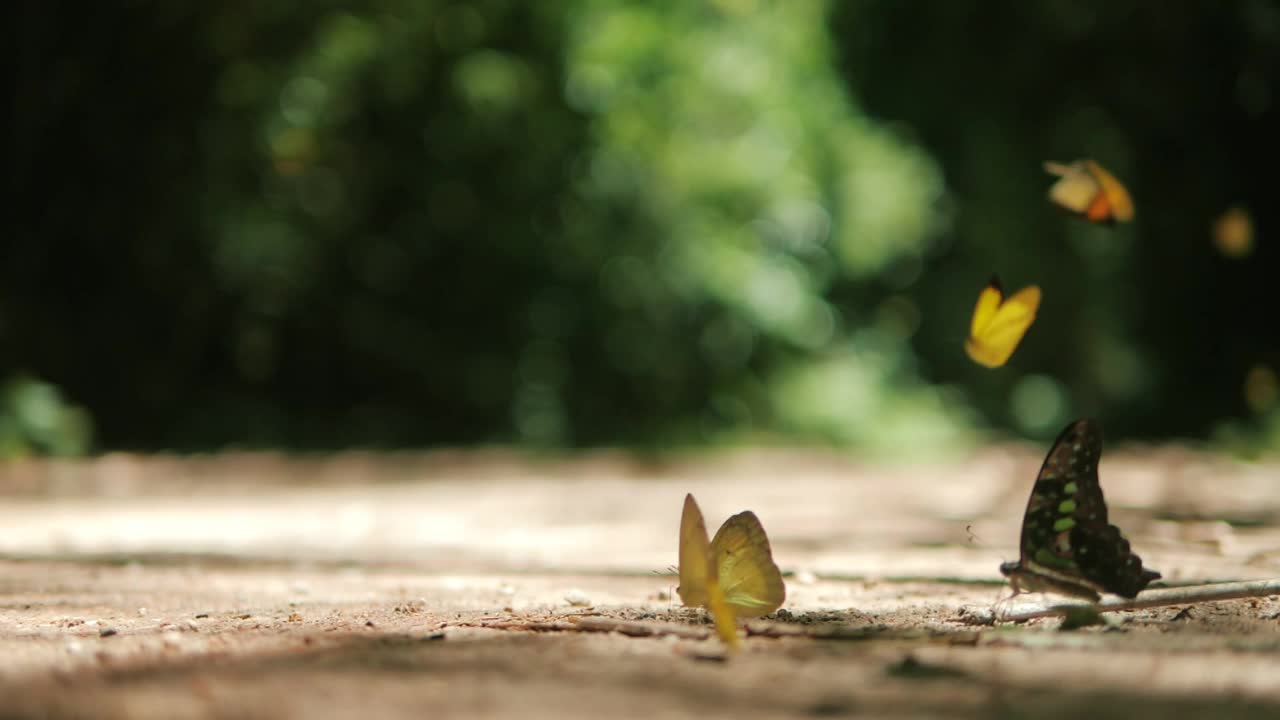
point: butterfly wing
(695, 549)
(750, 579)
(1075, 190)
(998, 327)
(985, 310)
(1065, 533)
(1012, 320)
(1119, 206)
(699, 584)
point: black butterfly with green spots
(1067, 545)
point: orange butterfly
(1085, 189)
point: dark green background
(419, 222)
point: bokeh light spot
(1038, 404)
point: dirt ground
(490, 585)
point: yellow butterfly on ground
(999, 323)
(732, 575)
(1084, 188)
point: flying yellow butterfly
(999, 323)
(1085, 189)
(733, 575)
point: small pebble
(108, 632)
(142, 612)
(506, 590)
(577, 598)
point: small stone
(142, 612)
(108, 632)
(506, 590)
(577, 598)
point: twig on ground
(827, 631)
(1159, 597)
(635, 628)
(581, 623)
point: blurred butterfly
(1067, 545)
(1085, 189)
(999, 323)
(1233, 233)
(732, 575)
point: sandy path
(258, 586)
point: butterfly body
(1000, 322)
(732, 575)
(1067, 545)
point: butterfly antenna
(671, 589)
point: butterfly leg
(1003, 603)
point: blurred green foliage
(608, 222)
(35, 419)
(1146, 326)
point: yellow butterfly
(999, 323)
(1085, 189)
(732, 575)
